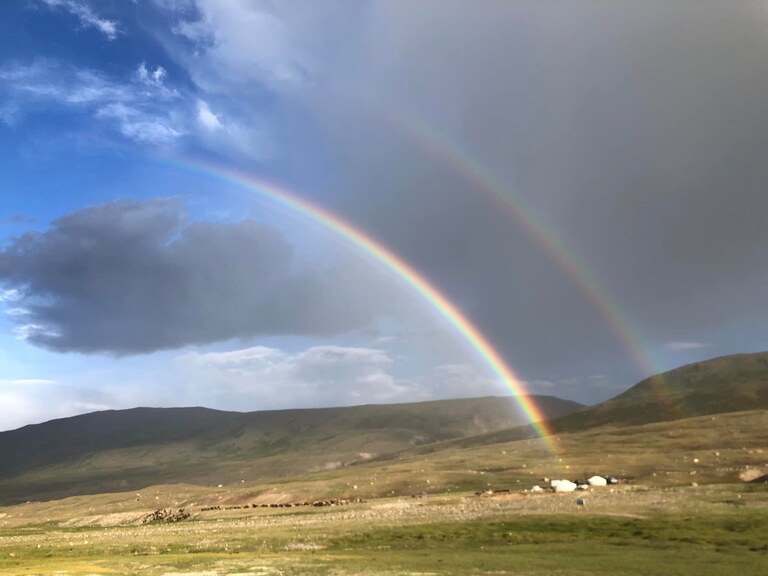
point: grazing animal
(581, 503)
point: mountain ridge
(725, 384)
(124, 449)
(730, 383)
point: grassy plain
(116, 451)
(682, 510)
(717, 529)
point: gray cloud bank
(636, 131)
(133, 276)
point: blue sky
(632, 132)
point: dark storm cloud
(636, 131)
(130, 277)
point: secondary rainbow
(460, 161)
(471, 334)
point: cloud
(30, 401)
(540, 385)
(154, 78)
(244, 43)
(629, 131)
(132, 277)
(10, 295)
(16, 311)
(249, 62)
(87, 17)
(686, 345)
(135, 125)
(141, 108)
(417, 70)
(455, 381)
(25, 382)
(235, 359)
(578, 180)
(207, 118)
(235, 137)
(272, 378)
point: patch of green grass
(745, 532)
(695, 534)
(572, 545)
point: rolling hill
(726, 384)
(128, 449)
(734, 383)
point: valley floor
(705, 530)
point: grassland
(464, 444)
(718, 529)
(128, 449)
(682, 509)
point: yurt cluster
(572, 486)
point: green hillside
(726, 384)
(127, 449)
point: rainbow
(577, 270)
(470, 333)
(461, 162)
(472, 171)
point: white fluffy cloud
(241, 379)
(244, 43)
(135, 125)
(271, 378)
(87, 17)
(25, 401)
(154, 77)
(206, 117)
(141, 107)
(250, 63)
(262, 377)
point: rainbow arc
(396, 264)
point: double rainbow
(386, 257)
(472, 171)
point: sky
(584, 182)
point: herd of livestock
(167, 515)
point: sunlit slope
(726, 384)
(707, 449)
(127, 449)
(721, 385)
